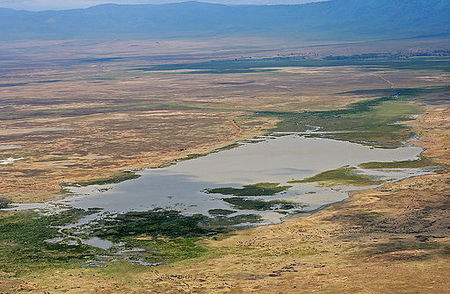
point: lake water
(277, 159)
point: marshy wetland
(257, 181)
(260, 162)
(276, 168)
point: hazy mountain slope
(332, 20)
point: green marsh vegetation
(220, 212)
(167, 235)
(342, 176)
(163, 223)
(251, 204)
(418, 163)
(258, 189)
(114, 179)
(164, 250)
(170, 236)
(22, 241)
(222, 218)
(372, 122)
(222, 221)
(167, 224)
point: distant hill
(332, 20)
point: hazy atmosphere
(70, 4)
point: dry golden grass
(79, 120)
(393, 239)
(389, 240)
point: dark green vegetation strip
(265, 64)
(115, 179)
(167, 236)
(220, 212)
(250, 204)
(259, 189)
(372, 122)
(163, 223)
(222, 221)
(23, 246)
(418, 163)
(405, 92)
(341, 176)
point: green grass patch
(157, 223)
(341, 176)
(227, 147)
(250, 204)
(163, 250)
(220, 212)
(259, 189)
(418, 163)
(115, 179)
(167, 236)
(168, 224)
(22, 241)
(222, 221)
(372, 122)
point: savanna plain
(97, 114)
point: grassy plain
(98, 119)
(390, 239)
(89, 114)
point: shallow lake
(276, 159)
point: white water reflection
(9, 160)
